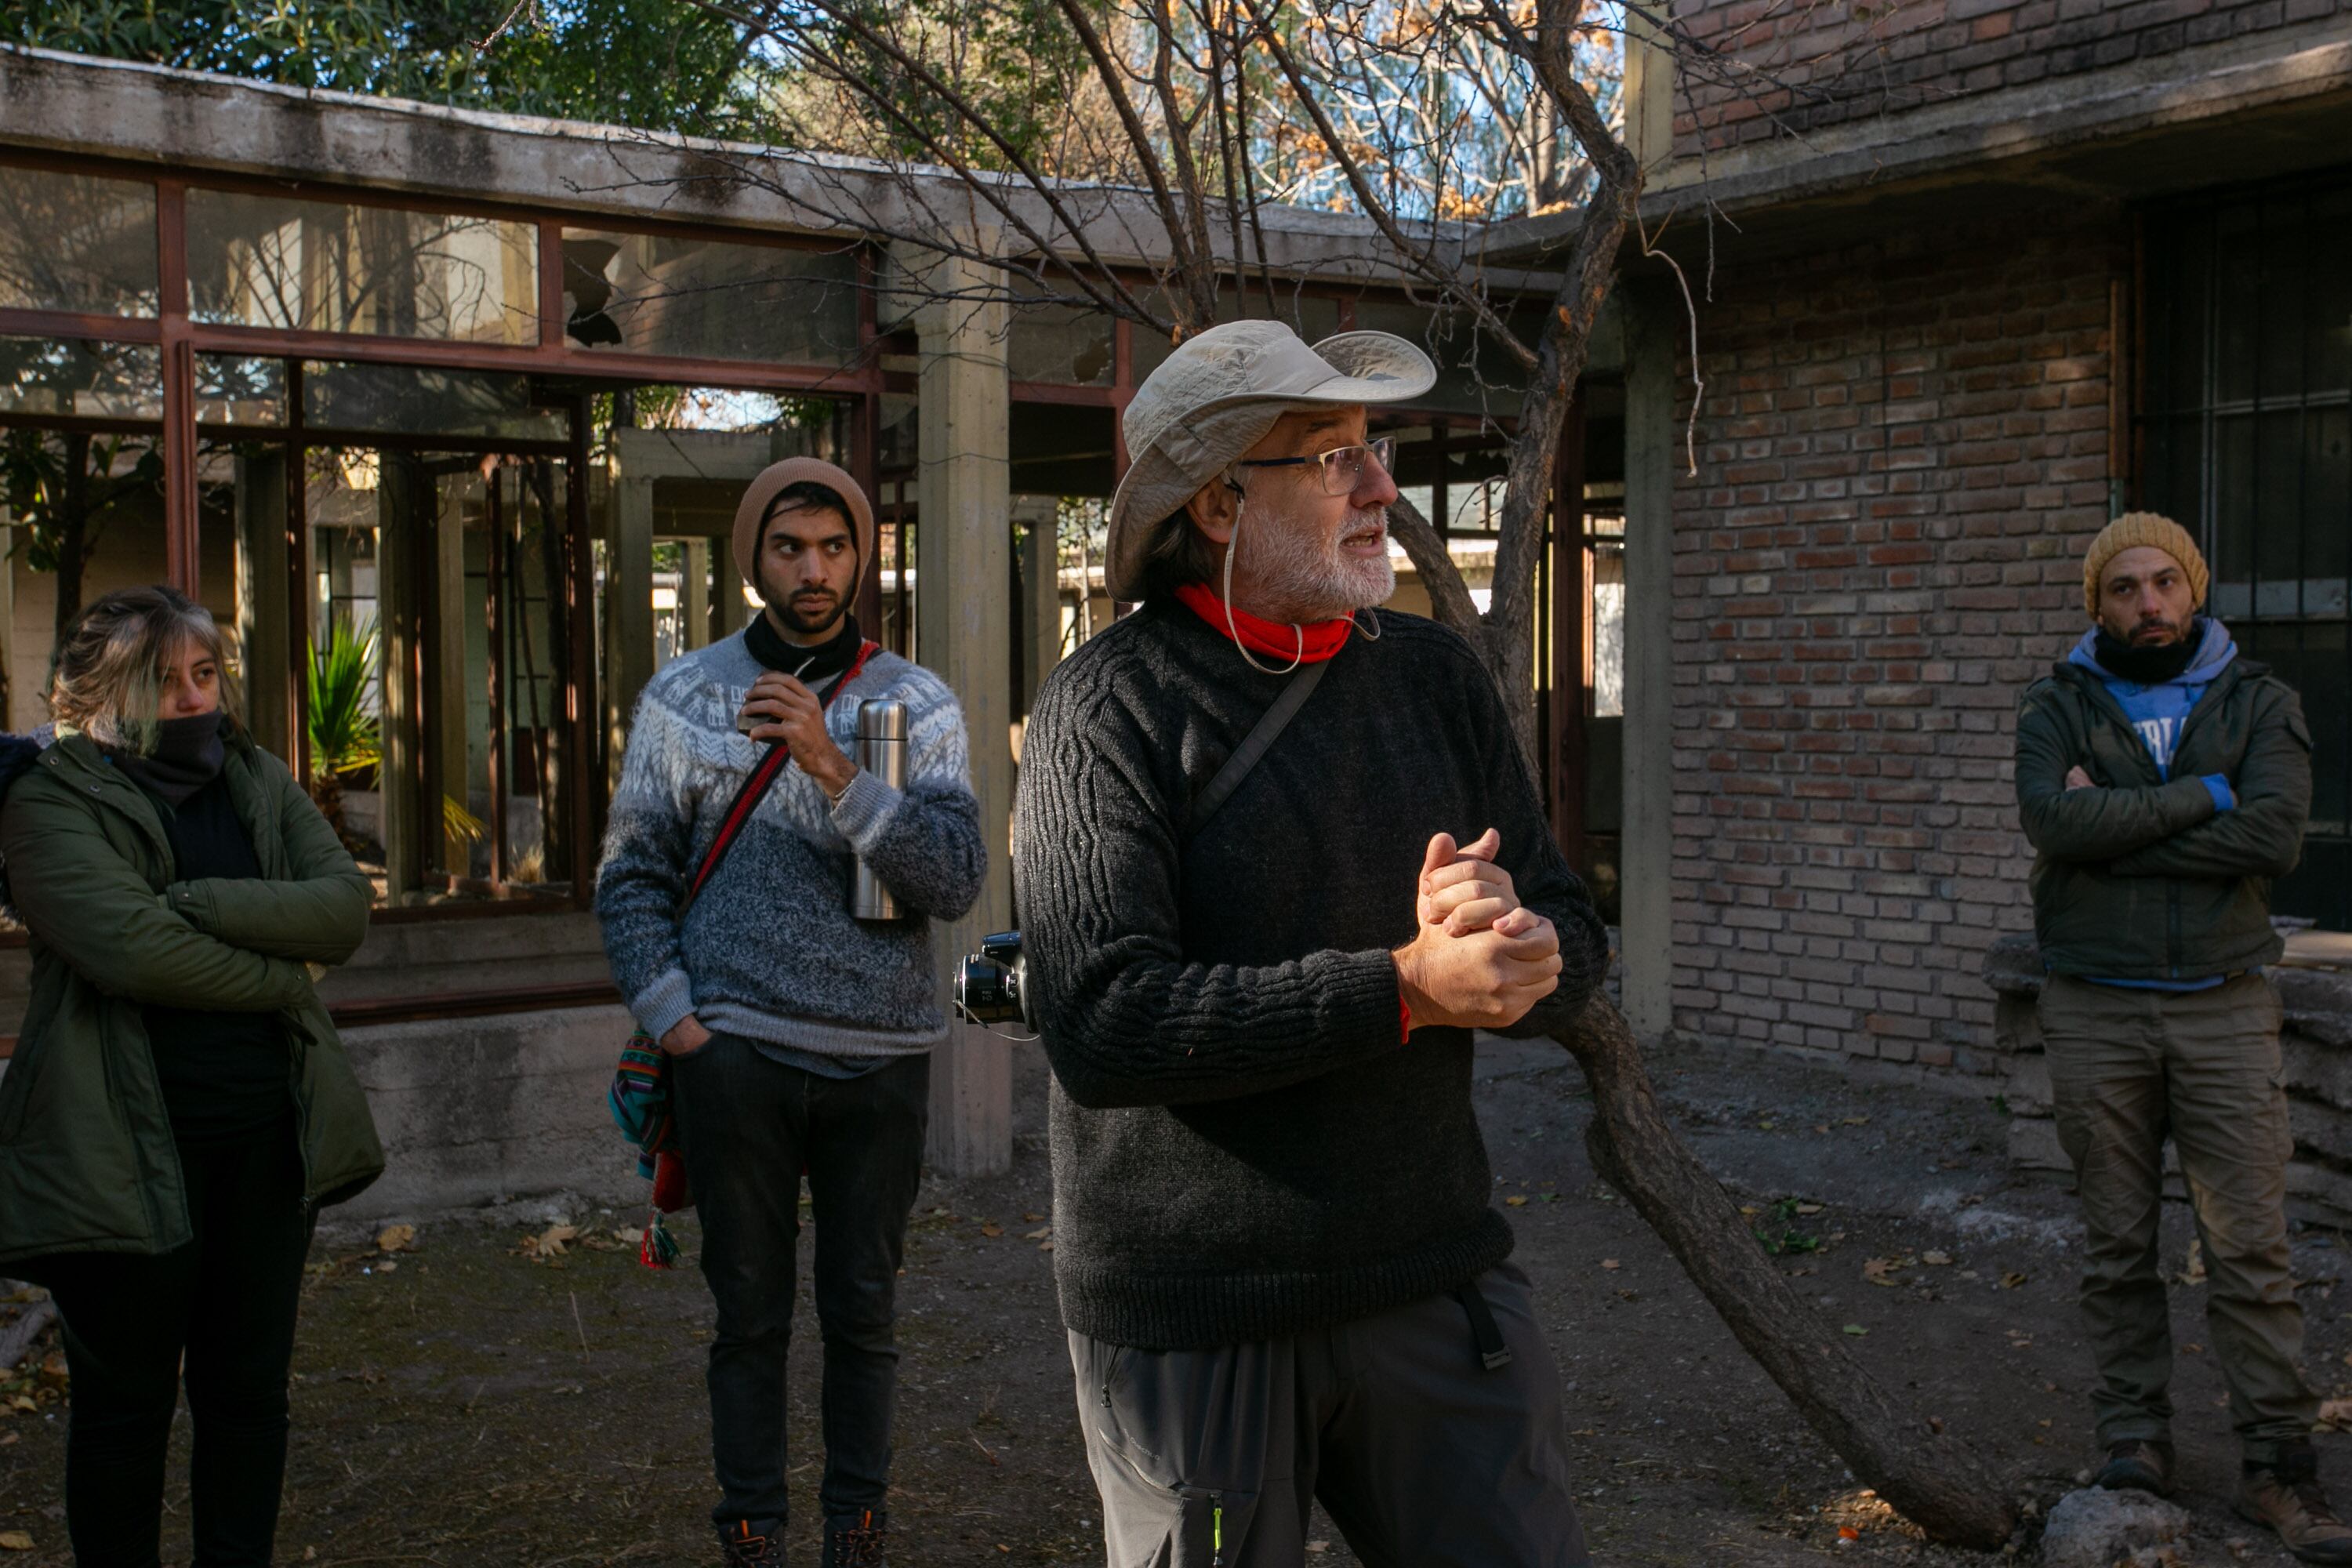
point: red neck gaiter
(1273, 640)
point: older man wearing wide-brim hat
(1277, 857)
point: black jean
(225, 1302)
(751, 1125)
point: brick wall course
(1770, 68)
(1902, 453)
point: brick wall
(1902, 453)
(1772, 68)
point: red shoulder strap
(755, 786)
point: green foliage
(660, 65)
(49, 500)
(344, 734)
(1776, 1228)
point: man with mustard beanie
(798, 1037)
(2164, 781)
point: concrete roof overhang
(192, 124)
(2253, 108)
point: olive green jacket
(87, 1158)
(2144, 878)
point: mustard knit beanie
(2130, 531)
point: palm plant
(344, 729)
(345, 733)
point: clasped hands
(1479, 958)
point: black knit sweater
(1243, 1148)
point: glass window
(401, 399)
(74, 242)
(333, 267)
(234, 390)
(438, 724)
(85, 516)
(80, 378)
(1063, 343)
(702, 298)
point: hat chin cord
(1371, 632)
(1235, 631)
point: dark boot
(2285, 1496)
(856, 1541)
(2139, 1465)
(752, 1543)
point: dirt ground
(468, 1404)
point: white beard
(1298, 577)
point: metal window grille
(2245, 439)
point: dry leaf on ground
(992, 1229)
(549, 1243)
(14, 1541)
(1936, 1259)
(395, 1238)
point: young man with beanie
(1275, 1243)
(2164, 780)
(798, 1037)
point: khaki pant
(2127, 1068)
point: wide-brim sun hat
(751, 511)
(1215, 397)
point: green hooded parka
(87, 1158)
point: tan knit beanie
(2130, 531)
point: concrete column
(731, 612)
(628, 610)
(965, 627)
(264, 633)
(1646, 867)
(403, 500)
(1041, 592)
(694, 597)
(1649, 92)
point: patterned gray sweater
(769, 950)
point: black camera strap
(1253, 746)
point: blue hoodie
(2158, 712)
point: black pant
(1424, 1455)
(751, 1125)
(225, 1302)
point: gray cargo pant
(1424, 1455)
(2127, 1069)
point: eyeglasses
(1342, 467)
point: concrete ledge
(2314, 1047)
(475, 1111)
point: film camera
(991, 985)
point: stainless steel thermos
(882, 751)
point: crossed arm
(2172, 829)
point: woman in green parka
(178, 1107)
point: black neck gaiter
(811, 666)
(188, 755)
(2148, 666)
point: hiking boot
(752, 1543)
(2285, 1496)
(2137, 1464)
(856, 1541)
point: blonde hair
(109, 680)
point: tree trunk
(1935, 1480)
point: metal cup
(881, 751)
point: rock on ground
(2095, 1527)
